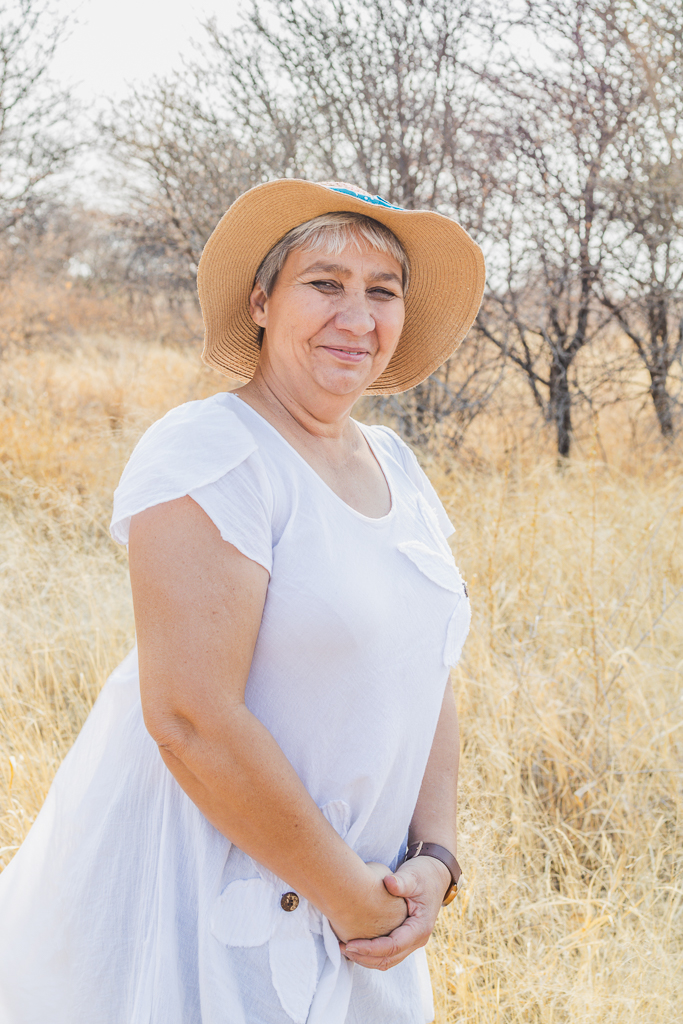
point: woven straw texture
(446, 278)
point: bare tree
(643, 285)
(439, 411)
(643, 281)
(564, 119)
(377, 93)
(183, 165)
(374, 93)
(35, 117)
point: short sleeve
(418, 476)
(240, 504)
(201, 449)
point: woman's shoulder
(192, 446)
(391, 446)
(215, 416)
(196, 442)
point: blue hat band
(375, 200)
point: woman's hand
(421, 882)
(378, 912)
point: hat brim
(446, 278)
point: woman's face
(332, 320)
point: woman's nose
(354, 315)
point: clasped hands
(416, 889)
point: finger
(407, 936)
(377, 948)
(404, 884)
(379, 963)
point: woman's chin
(345, 381)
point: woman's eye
(383, 293)
(325, 285)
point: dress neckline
(297, 455)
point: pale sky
(113, 42)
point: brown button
(290, 901)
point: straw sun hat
(446, 276)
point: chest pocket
(442, 571)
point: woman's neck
(324, 417)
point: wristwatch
(422, 849)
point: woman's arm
(423, 881)
(198, 605)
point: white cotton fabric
(124, 905)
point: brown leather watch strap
(422, 849)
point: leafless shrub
(36, 142)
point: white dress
(124, 905)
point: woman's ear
(257, 305)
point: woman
(226, 841)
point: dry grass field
(570, 687)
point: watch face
(450, 895)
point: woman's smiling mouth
(346, 355)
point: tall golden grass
(569, 690)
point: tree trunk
(662, 403)
(560, 406)
(660, 361)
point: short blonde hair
(332, 232)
